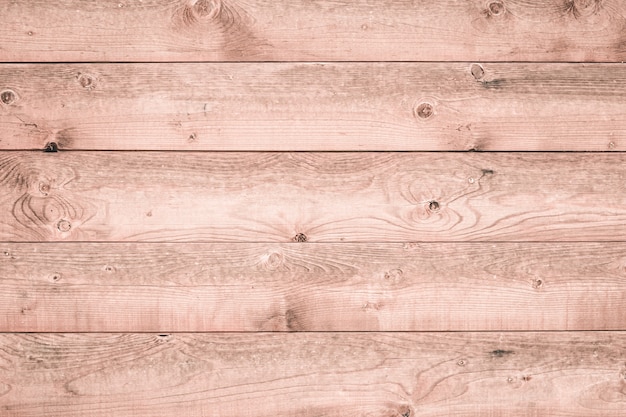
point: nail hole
(300, 237)
(55, 277)
(477, 71)
(8, 97)
(64, 226)
(461, 362)
(192, 138)
(538, 283)
(51, 147)
(496, 8)
(424, 110)
(433, 206)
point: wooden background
(312, 208)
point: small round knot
(433, 206)
(461, 362)
(86, 81)
(109, 268)
(64, 226)
(44, 188)
(537, 283)
(206, 9)
(55, 277)
(273, 261)
(477, 71)
(51, 147)
(192, 138)
(8, 97)
(424, 110)
(496, 8)
(300, 237)
(394, 276)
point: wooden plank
(302, 30)
(304, 107)
(316, 197)
(320, 287)
(310, 374)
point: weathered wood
(303, 30)
(320, 287)
(309, 374)
(317, 197)
(334, 106)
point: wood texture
(318, 287)
(302, 30)
(304, 107)
(316, 197)
(307, 375)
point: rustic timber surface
(72, 287)
(315, 106)
(313, 374)
(312, 197)
(381, 208)
(321, 30)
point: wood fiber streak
(311, 197)
(308, 107)
(308, 375)
(319, 287)
(303, 30)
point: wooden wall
(312, 208)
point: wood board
(173, 287)
(313, 374)
(314, 107)
(321, 30)
(311, 197)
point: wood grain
(302, 30)
(319, 287)
(308, 107)
(311, 374)
(311, 197)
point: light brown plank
(317, 287)
(316, 197)
(301, 30)
(308, 375)
(344, 106)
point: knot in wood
(424, 110)
(206, 9)
(300, 237)
(477, 71)
(51, 147)
(273, 261)
(64, 226)
(433, 206)
(44, 188)
(495, 8)
(8, 97)
(86, 81)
